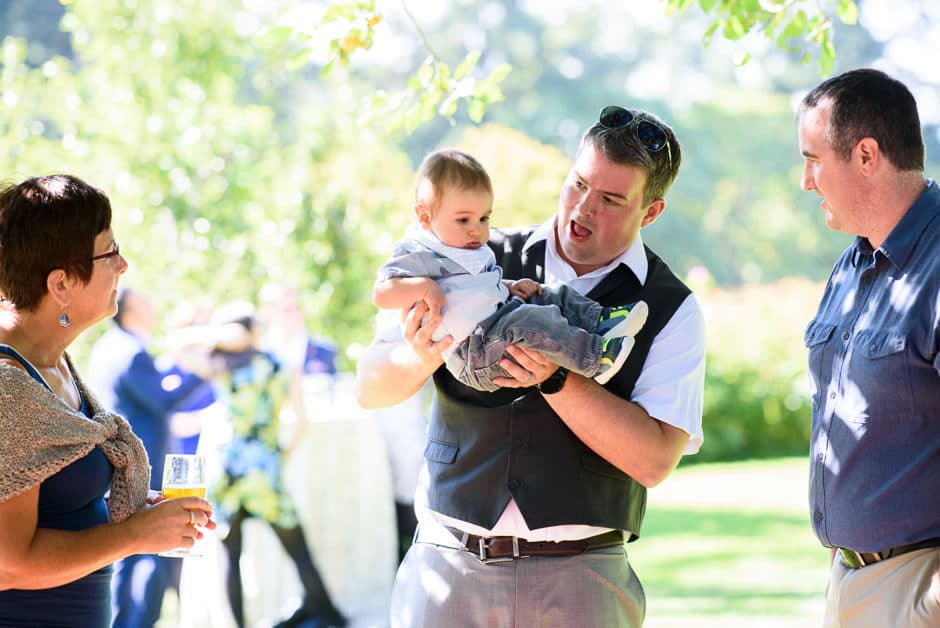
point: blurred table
(340, 480)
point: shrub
(757, 397)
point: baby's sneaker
(622, 320)
(614, 354)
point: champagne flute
(184, 475)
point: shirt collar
(473, 261)
(634, 257)
(900, 243)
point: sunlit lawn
(730, 545)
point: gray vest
(485, 448)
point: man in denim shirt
(873, 354)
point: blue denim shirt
(874, 365)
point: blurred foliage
(216, 188)
(526, 174)
(780, 20)
(435, 88)
(757, 401)
(233, 140)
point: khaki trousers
(442, 587)
(901, 592)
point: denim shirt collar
(899, 244)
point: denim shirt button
(846, 336)
(832, 395)
(817, 516)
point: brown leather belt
(857, 560)
(503, 548)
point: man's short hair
(869, 103)
(450, 168)
(622, 146)
(47, 223)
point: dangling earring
(64, 319)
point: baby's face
(462, 218)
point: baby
(445, 262)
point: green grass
(730, 545)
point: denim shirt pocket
(880, 369)
(817, 333)
(815, 339)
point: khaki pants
(441, 587)
(901, 592)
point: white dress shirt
(670, 386)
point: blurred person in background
(256, 389)
(287, 337)
(125, 377)
(187, 343)
(874, 354)
(61, 450)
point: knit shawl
(40, 435)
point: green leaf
(847, 11)
(674, 7)
(827, 57)
(466, 66)
(707, 5)
(448, 106)
(488, 91)
(442, 76)
(734, 28)
(707, 37)
(500, 72)
(797, 25)
(476, 109)
(425, 73)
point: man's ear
(867, 154)
(59, 284)
(653, 211)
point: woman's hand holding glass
(184, 483)
(170, 524)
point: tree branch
(424, 39)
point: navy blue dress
(72, 499)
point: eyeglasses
(112, 253)
(650, 135)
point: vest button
(518, 443)
(514, 483)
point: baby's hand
(434, 299)
(525, 288)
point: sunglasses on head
(650, 135)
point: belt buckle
(486, 560)
(855, 559)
